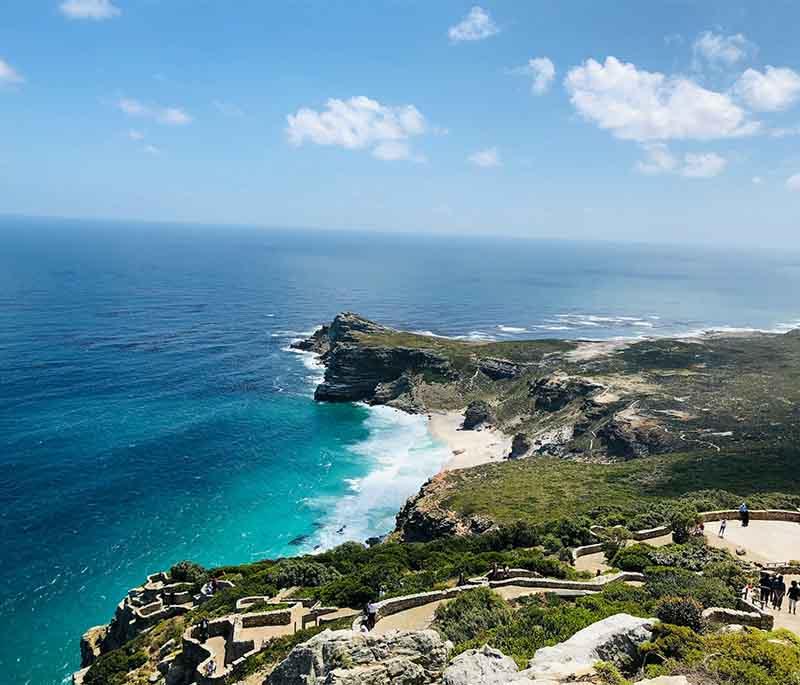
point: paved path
(764, 541)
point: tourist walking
(372, 615)
(765, 586)
(722, 526)
(744, 514)
(778, 591)
(794, 595)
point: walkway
(763, 541)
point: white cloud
(793, 183)
(152, 150)
(134, 134)
(9, 75)
(477, 25)
(757, 180)
(635, 104)
(359, 123)
(542, 72)
(89, 9)
(659, 160)
(705, 165)
(775, 89)
(722, 50)
(170, 116)
(489, 157)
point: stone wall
(747, 614)
(279, 617)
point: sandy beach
(471, 447)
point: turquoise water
(150, 410)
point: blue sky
(673, 121)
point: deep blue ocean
(150, 409)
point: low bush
(681, 611)
(634, 558)
(188, 572)
(113, 668)
(301, 572)
(472, 614)
(678, 582)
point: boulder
(345, 657)
(92, 644)
(615, 639)
(478, 413)
(520, 446)
(484, 666)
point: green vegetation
(188, 572)
(113, 668)
(641, 493)
(472, 614)
(752, 657)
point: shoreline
(467, 448)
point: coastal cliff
(712, 398)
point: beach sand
(468, 448)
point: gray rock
(484, 666)
(615, 639)
(520, 446)
(499, 369)
(556, 391)
(478, 413)
(345, 657)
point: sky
(660, 121)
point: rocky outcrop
(478, 413)
(520, 446)
(630, 436)
(499, 369)
(344, 657)
(422, 517)
(372, 373)
(92, 644)
(615, 639)
(556, 391)
(484, 666)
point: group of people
(773, 590)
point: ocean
(152, 411)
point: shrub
(681, 611)
(113, 668)
(471, 614)
(682, 520)
(634, 558)
(677, 582)
(291, 572)
(188, 572)
(551, 544)
(615, 540)
(347, 592)
(729, 572)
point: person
(493, 574)
(765, 585)
(461, 579)
(779, 590)
(722, 526)
(372, 615)
(204, 630)
(214, 585)
(744, 514)
(794, 595)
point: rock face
(484, 666)
(633, 437)
(422, 518)
(499, 369)
(615, 639)
(92, 644)
(344, 657)
(478, 413)
(556, 391)
(375, 374)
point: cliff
(716, 397)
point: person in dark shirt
(794, 595)
(778, 591)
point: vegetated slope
(719, 411)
